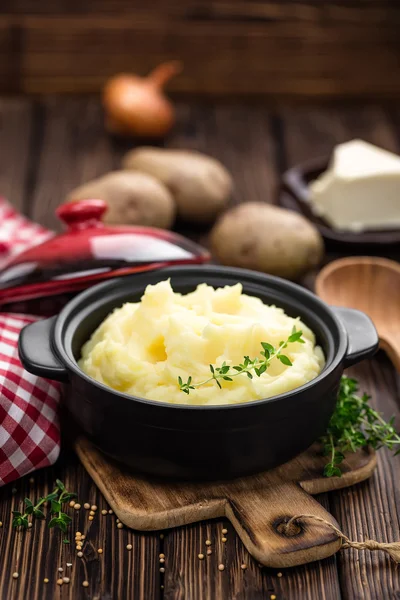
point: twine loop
(391, 548)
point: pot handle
(362, 335)
(35, 351)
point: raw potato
(267, 238)
(199, 184)
(132, 198)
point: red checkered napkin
(17, 232)
(29, 426)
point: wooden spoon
(371, 285)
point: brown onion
(137, 105)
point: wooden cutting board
(257, 506)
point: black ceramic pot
(197, 441)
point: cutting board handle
(260, 517)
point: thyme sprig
(61, 519)
(257, 365)
(354, 425)
(56, 498)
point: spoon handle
(392, 348)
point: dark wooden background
(292, 49)
(47, 147)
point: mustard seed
(80, 554)
(92, 513)
(280, 574)
(66, 579)
(119, 525)
(110, 512)
(91, 518)
(201, 556)
(78, 534)
(243, 566)
(162, 560)
(208, 542)
(60, 569)
(162, 570)
(93, 507)
(59, 582)
(85, 583)
(30, 525)
(72, 503)
(1, 524)
(31, 480)
(161, 555)
(129, 547)
(77, 506)
(118, 521)
(161, 536)
(103, 512)
(273, 597)
(209, 551)
(15, 575)
(45, 580)
(224, 539)
(100, 551)
(224, 531)
(221, 567)
(86, 505)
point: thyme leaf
(355, 425)
(257, 365)
(56, 498)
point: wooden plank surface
(16, 138)
(310, 132)
(49, 146)
(84, 151)
(303, 9)
(372, 510)
(38, 553)
(276, 49)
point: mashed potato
(142, 348)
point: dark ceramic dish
(196, 441)
(295, 196)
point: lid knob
(82, 214)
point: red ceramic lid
(90, 251)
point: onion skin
(137, 105)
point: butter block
(360, 190)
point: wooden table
(46, 148)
